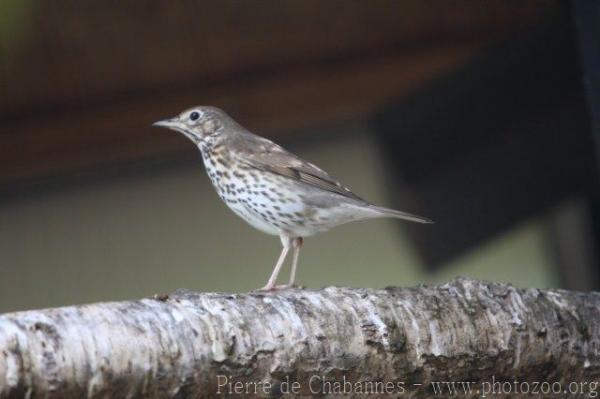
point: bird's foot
(276, 287)
(284, 286)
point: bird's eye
(194, 115)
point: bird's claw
(277, 287)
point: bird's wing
(263, 154)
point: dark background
(480, 115)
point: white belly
(270, 203)
(253, 220)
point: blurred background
(483, 116)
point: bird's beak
(176, 125)
(168, 123)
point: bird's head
(198, 123)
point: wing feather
(263, 154)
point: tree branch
(296, 341)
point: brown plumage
(272, 189)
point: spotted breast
(267, 202)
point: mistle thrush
(270, 188)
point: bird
(270, 188)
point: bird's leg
(286, 247)
(296, 244)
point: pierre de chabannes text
(316, 384)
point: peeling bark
(195, 344)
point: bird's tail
(387, 212)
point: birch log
(303, 342)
